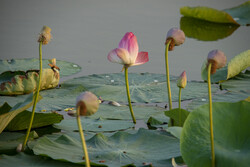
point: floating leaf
(144, 87)
(117, 150)
(220, 97)
(122, 112)
(239, 83)
(206, 13)
(175, 131)
(27, 83)
(238, 63)
(240, 13)
(95, 125)
(10, 140)
(7, 115)
(66, 68)
(205, 30)
(175, 115)
(24, 160)
(231, 135)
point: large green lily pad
(95, 125)
(231, 135)
(122, 112)
(117, 150)
(10, 140)
(24, 160)
(144, 87)
(66, 68)
(220, 97)
(178, 115)
(237, 15)
(205, 30)
(240, 83)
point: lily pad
(144, 87)
(231, 135)
(66, 68)
(205, 30)
(178, 115)
(239, 83)
(10, 140)
(117, 150)
(7, 114)
(95, 125)
(220, 97)
(122, 112)
(238, 15)
(22, 160)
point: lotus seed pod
(176, 36)
(182, 80)
(45, 35)
(217, 59)
(87, 103)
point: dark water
(85, 31)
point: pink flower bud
(88, 103)
(45, 35)
(182, 80)
(176, 36)
(217, 59)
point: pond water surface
(85, 31)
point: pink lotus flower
(127, 52)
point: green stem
(168, 80)
(128, 94)
(211, 115)
(84, 146)
(36, 97)
(180, 124)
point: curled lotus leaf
(27, 83)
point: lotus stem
(36, 97)
(128, 94)
(168, 80)
(84, 146)
(180, 124)
(211, 114)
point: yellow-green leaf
(206, 13)
(238, 64)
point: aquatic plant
(175, 37)
(44, 39)
(216, 60)
(86, 104)
(127, 54)
(181, 83)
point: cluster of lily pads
(205, 133)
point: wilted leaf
(231, 135)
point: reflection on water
(205, 30)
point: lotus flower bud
(87, 103)
(19, 148)
(217, 59)
(182, 80)
(176, 36)
(45, 35)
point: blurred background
(84, 31)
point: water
(85, 31)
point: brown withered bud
(45, 35)
(176, 36)
(217, 59)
